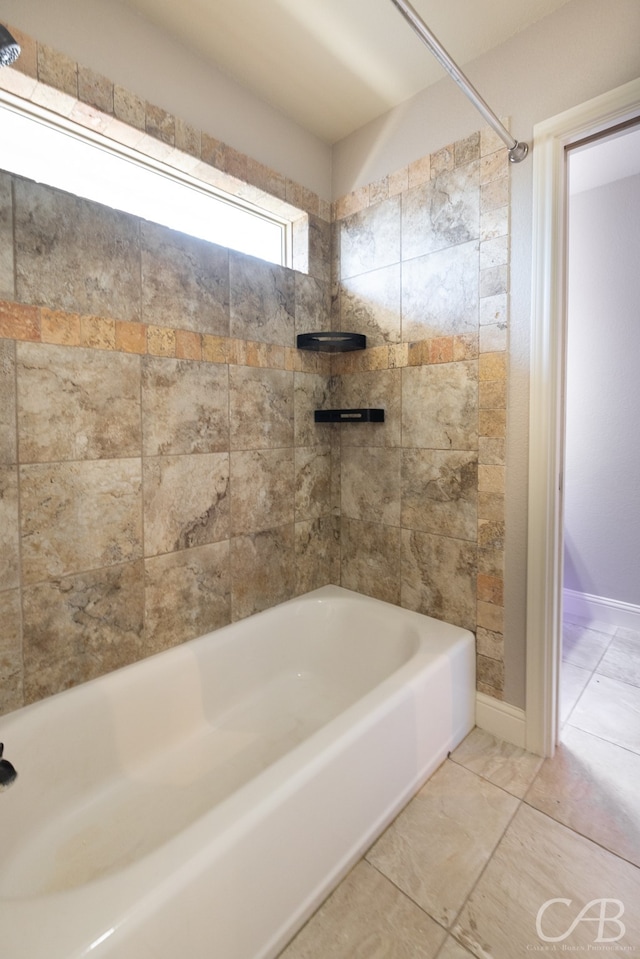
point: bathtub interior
(126, 762)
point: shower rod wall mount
(517, 150)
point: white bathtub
(203, 802)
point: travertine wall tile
(65, 329)
(260, 408)
(76, 404)
(81, 626)
(6, 238)
(9, 531)
(371, 559)
(186, 501)
(160, 124)
(311, 391)
(19, 322)
(187, 593)
(79, 515)
(443, 160)
(439, 577)
(440, 293)
(185, 281)
(262, 490)
(441, 213)
(370, 239)
(312, 304)
(312, 482)
(380, 389)
(440, 406)
(8, 438)
(11, 658)
(185, 407)
(370, 484)
(440, 492)
(129, 108)
(75, 255)
(319, 247)
(370, 304)
(316, 553)
(57, 70)
(95, 90)
(262, 570)
(262, 298)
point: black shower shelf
(349, 416)
(331, 342)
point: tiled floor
(469, 866)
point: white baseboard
(501, 719)
(599, 609)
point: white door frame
(546, 411)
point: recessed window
(51, 150)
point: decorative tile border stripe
(53, 80)
(440, 349)
(39, 324)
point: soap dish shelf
(330, 342)
(349, 416)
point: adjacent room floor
(470, 866)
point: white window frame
(141, 160)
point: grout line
(582, 835)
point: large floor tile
(591, 786)
(599, 625)
(541, 860)
(507, 766)
(582, 645)
(622, 658)
(610, 709)
(453, 950)
(573, 680)
(437, 847)
(367, 918)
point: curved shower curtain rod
(517, 151)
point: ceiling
(334, 65)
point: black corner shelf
(349, 416)
(331, 342)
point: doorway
(552, 139)
(599, 672)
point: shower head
(9, 48)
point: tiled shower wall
(160, 471)
(421, 267)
